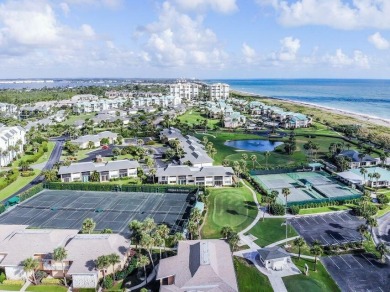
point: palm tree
(267, 155)
(382, 249)
(372, 222)
(226, 231)
(59, 255)
(102, 263)
(254, 159)
(362, 229)
(286, 192)
(363, 172)
(113, 259)
(245, 156)
(370, 176)
(153, 172)
(91, 144)
(147, 242)
(95, 176)
(361, 156)
(135, 228)
(316, 251)
(159, 241)
(192, 228)
(88, 226)
(30, 265)
(143, 261)
(299, 242)
(233, 240)
(377, 176)
(148, 225)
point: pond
(254, 145)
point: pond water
(254, 145)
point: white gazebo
(274, 258)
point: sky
(195, 39)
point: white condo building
(186, 91)
(11, 137)
(219, 91)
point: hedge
(12, 176)
(51, 281)
(31, 192)
(13, 282)
(39, 154)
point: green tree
(226, 231)
(95, 176)
(267, 155)
(362, 229)
(382, 249)
(30, 265)
(116, 151)
(88, 226)
(143, 261)
(233, 240)
(300, 243)
(147, 242)
(135, 228)
(178, 236)
(286, 192)
(316, 251)
(253, 159)
(50, 175)
(102, 263)
(113, 259)
(59, 255)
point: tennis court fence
(318, 201)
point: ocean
(361, 96)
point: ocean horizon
(369, 97)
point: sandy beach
(361, 117)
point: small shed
(13, 201)
(274, 258)
(316, 166)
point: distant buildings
(219, 91)
(18, 243)
(12, 140)
(8, 108)
(99, 105)
(209, 176)
(82, 171)
(200, 265)
(185, 91)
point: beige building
(219, 91)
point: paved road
(53, 159)
(382, 232)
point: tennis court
(305, 186)
(329, 229)
(360, 272)
(68, 209)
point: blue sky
(195, 38)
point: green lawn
(195, 117)
(228, 207)
(43, 158)
(17, 185)
(324, 209)
(249, 278)
(316, 281)
(271, 230)
(82, 153)
(10, 287)
(46, 288)
(72, 118)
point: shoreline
(362, 117)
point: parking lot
(360, 272)
(113, 210)
(329, 229)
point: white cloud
(88, 31)
(340, 59)
(112, 4)
(65, 8)
(290, 48)
(341, 14)
(248, 52)
(222, 6)
(378, 41)
(177, 40)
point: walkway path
(259, 213)
(282, 241)
(150, 278)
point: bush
(277, 209)
(383, 199)
(40, 275)
(13, 282)
(2, 277)
(51, 281)
(108, 282)
(150, 143)
(294, 210)
(27, 173)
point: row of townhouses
(8, 108)
(17, 243)
(12, 140)
(222, 109)
(84, 141)
(82, 171)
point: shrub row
(13, 282)
(31, 192)
(324, 204)
(11, 176)
(39, 154)
(51, 281)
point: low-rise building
(12, 140)
(200, 265)
(83, 171)
(274, 258)
(212, 176)
(84, 141)
(8, 108)
(356, 160)
(370, 176)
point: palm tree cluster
(230, 236)
(311, 148)
(291, 145)
(316, 250)
(103, 262)
(193, 223)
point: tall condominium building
(12, 140)
(186, 91)
(219, 91)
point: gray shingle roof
(274, 252)
(99, 167)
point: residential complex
(93, 141)
(185, 91)
(12, 140)
(8, 108)
(219, 91)
(107, 170)
(212, 176)
(18, 243)
(200, 265)
(357, 160)
(374, 177)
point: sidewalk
(150, 278)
